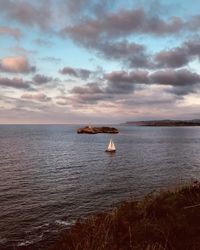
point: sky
(99, 61)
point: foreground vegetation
(168, 220)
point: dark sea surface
(49, 175)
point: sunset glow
(99, 61)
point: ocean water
(50, 176)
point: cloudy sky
(99, 61)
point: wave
(65, 223)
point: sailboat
(111, 147)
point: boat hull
(110, 151)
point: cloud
(132, 37)
(113, 84)
(104, 35)
(194, 22)
(79, 73)
(48, 14)
(52, 59)
(36, 97)
(42, 42)
(89, 88)
(16, 64)
(21, 51)
(152, 96)
(13, 32)
(121, 82)
(130, 53)
(122, 23)
(179, 56)
(90, 93)
(120, 85)
(119, 88)
(124, 80)
(29, 14)
(137, 76)
(41, 79)
(172, 58)
(172, 77)
(68, 71)
(80, 8)
(182, 90)
(89, 98)
(15, 82)
(182, 80)
(193, 47)
(62, 100)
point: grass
(168, 220)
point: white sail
(111, 146)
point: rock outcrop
(96, 130)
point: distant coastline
(165, 123)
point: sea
(50, 176)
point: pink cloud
(16, 64)
(16, 33)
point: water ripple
(50, 175)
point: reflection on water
(50, 175)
